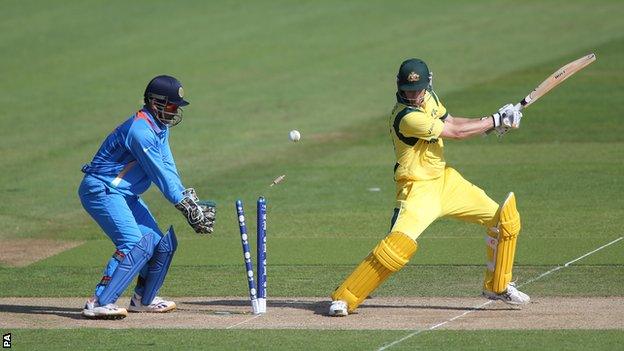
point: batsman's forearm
(468, 127)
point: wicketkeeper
(133, 156)
(427, 189)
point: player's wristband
(493, 117)
(496, 118)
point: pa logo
(6, 341)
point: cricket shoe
(158, 305)
(512, 295)
(93, 310)
(338, 308)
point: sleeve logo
(431, 128)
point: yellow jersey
(415, 134)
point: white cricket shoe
(93, 310)
(338, 308)
(158, 305)
(512, 295)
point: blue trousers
(124, 218)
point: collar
(156, 125)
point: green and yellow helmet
(414, 75)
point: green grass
(299, 280)
(255, 70)
(316, 339)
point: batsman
(427, 189)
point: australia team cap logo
(413, 77)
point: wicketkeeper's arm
(147, 150)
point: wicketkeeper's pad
(158, 265)
(132, 262)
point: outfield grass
(317, 339)
(255, 70)
(298, 280)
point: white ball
(294, 135)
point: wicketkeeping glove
(210, 210)
(200, 217)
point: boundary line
(475, 308)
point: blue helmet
(160, 93)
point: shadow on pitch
(437, 307)
(318, 307)
(321, 307)
(72, 313)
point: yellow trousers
(419, 203)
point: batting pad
(501, 247)
(389, 256)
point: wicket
(261, 253)
(257, 294)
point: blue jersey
(133, 156)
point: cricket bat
(557, 78)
